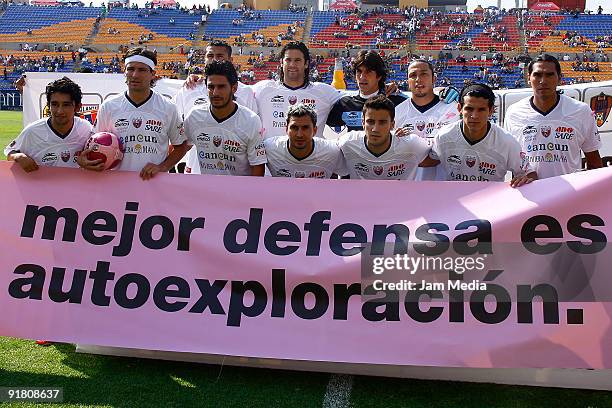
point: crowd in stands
(30, 64)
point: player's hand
(149, 171)
(25, 162)
(449, 94)
(20, 83)
(403, 131)
(93, 165)
(193, 80)
(521, 180)
(391, 88)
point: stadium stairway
(307, 28)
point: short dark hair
(67, 86)
(219, 43)
(479, 91)
(373, 62)
(300, 46)
(380, 102)
(301, 110)
(422, 61)
(545, 58)
(141, 51)
(225, 68)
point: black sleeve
(335, 115)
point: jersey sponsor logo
(548, 158)
(65, 155)
(300, 174)
(396, 170)
(317, 174)
(545, 130)
(49, 157)
(550, 146)
(601, 105)
(217, 141)
(119, 123)
(203, 137)
(216, 156)
(377, 170)
(308, 101)
(13, 143)
(454, 159)
(154, 125)
(141, 149)
(470, 160)
(409, 127)
(529, 130)
(564, 132)
(278, 114)
(277, 99)
(465, 177)
(524, 160)
(231, 146)
(219, 166)
(362, 168)
(352, 119)
(276, 124)
(138, 139)
(487, 168)
(200, 101)
(283, 173)
(137, 122)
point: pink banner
(271, 267)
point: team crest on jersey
(470, 161)
(545, 130)
(378, 170)
(65, 155)
(420, 125)
(601, 105)
(300, 174)
(217, 141)
(293, 100)
(137, 122)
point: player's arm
(258, 170)
(593, 160)
(23, 160)
(178, 151)
(429, 162)
(87, 164)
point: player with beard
(370, 74)
(274, 97)
(195, 93)
(425, 113)
(146, 121)
(55, 141)
(227, 136)
(474, 149)
(375, 153)
(299, 154)
(552, 128)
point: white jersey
(399, 162)
(48, 148)
(274, 98)
(324, 160)
(426, 125)
(486, 160)
(227, 147)
(553, 141)
(145, 129)
(186, 99)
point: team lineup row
(236, 129)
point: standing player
(424, 114)
(553, 128)
(195, 93)
(227, 136)
(370, 74)
(55, 141)
(376, 154)
(274, 97)
(474, 149)
(299, 154)
(145, 121)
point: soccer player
(145, 121)
(375, 153)
(474, 149)
(195, 93)
(227, 135)
(553, 128)
(425, 113)
(57, 140)
(299, 154)
(370, 74)
(274, 97)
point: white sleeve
(420, 147)
(518, 161)
(21, 143)
(179, 101)
(103, 120)
(435, 152)
(256, 149)
(590, 140)
(176, 132)
(188, 128)
(248, 98)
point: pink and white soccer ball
(107, 146)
